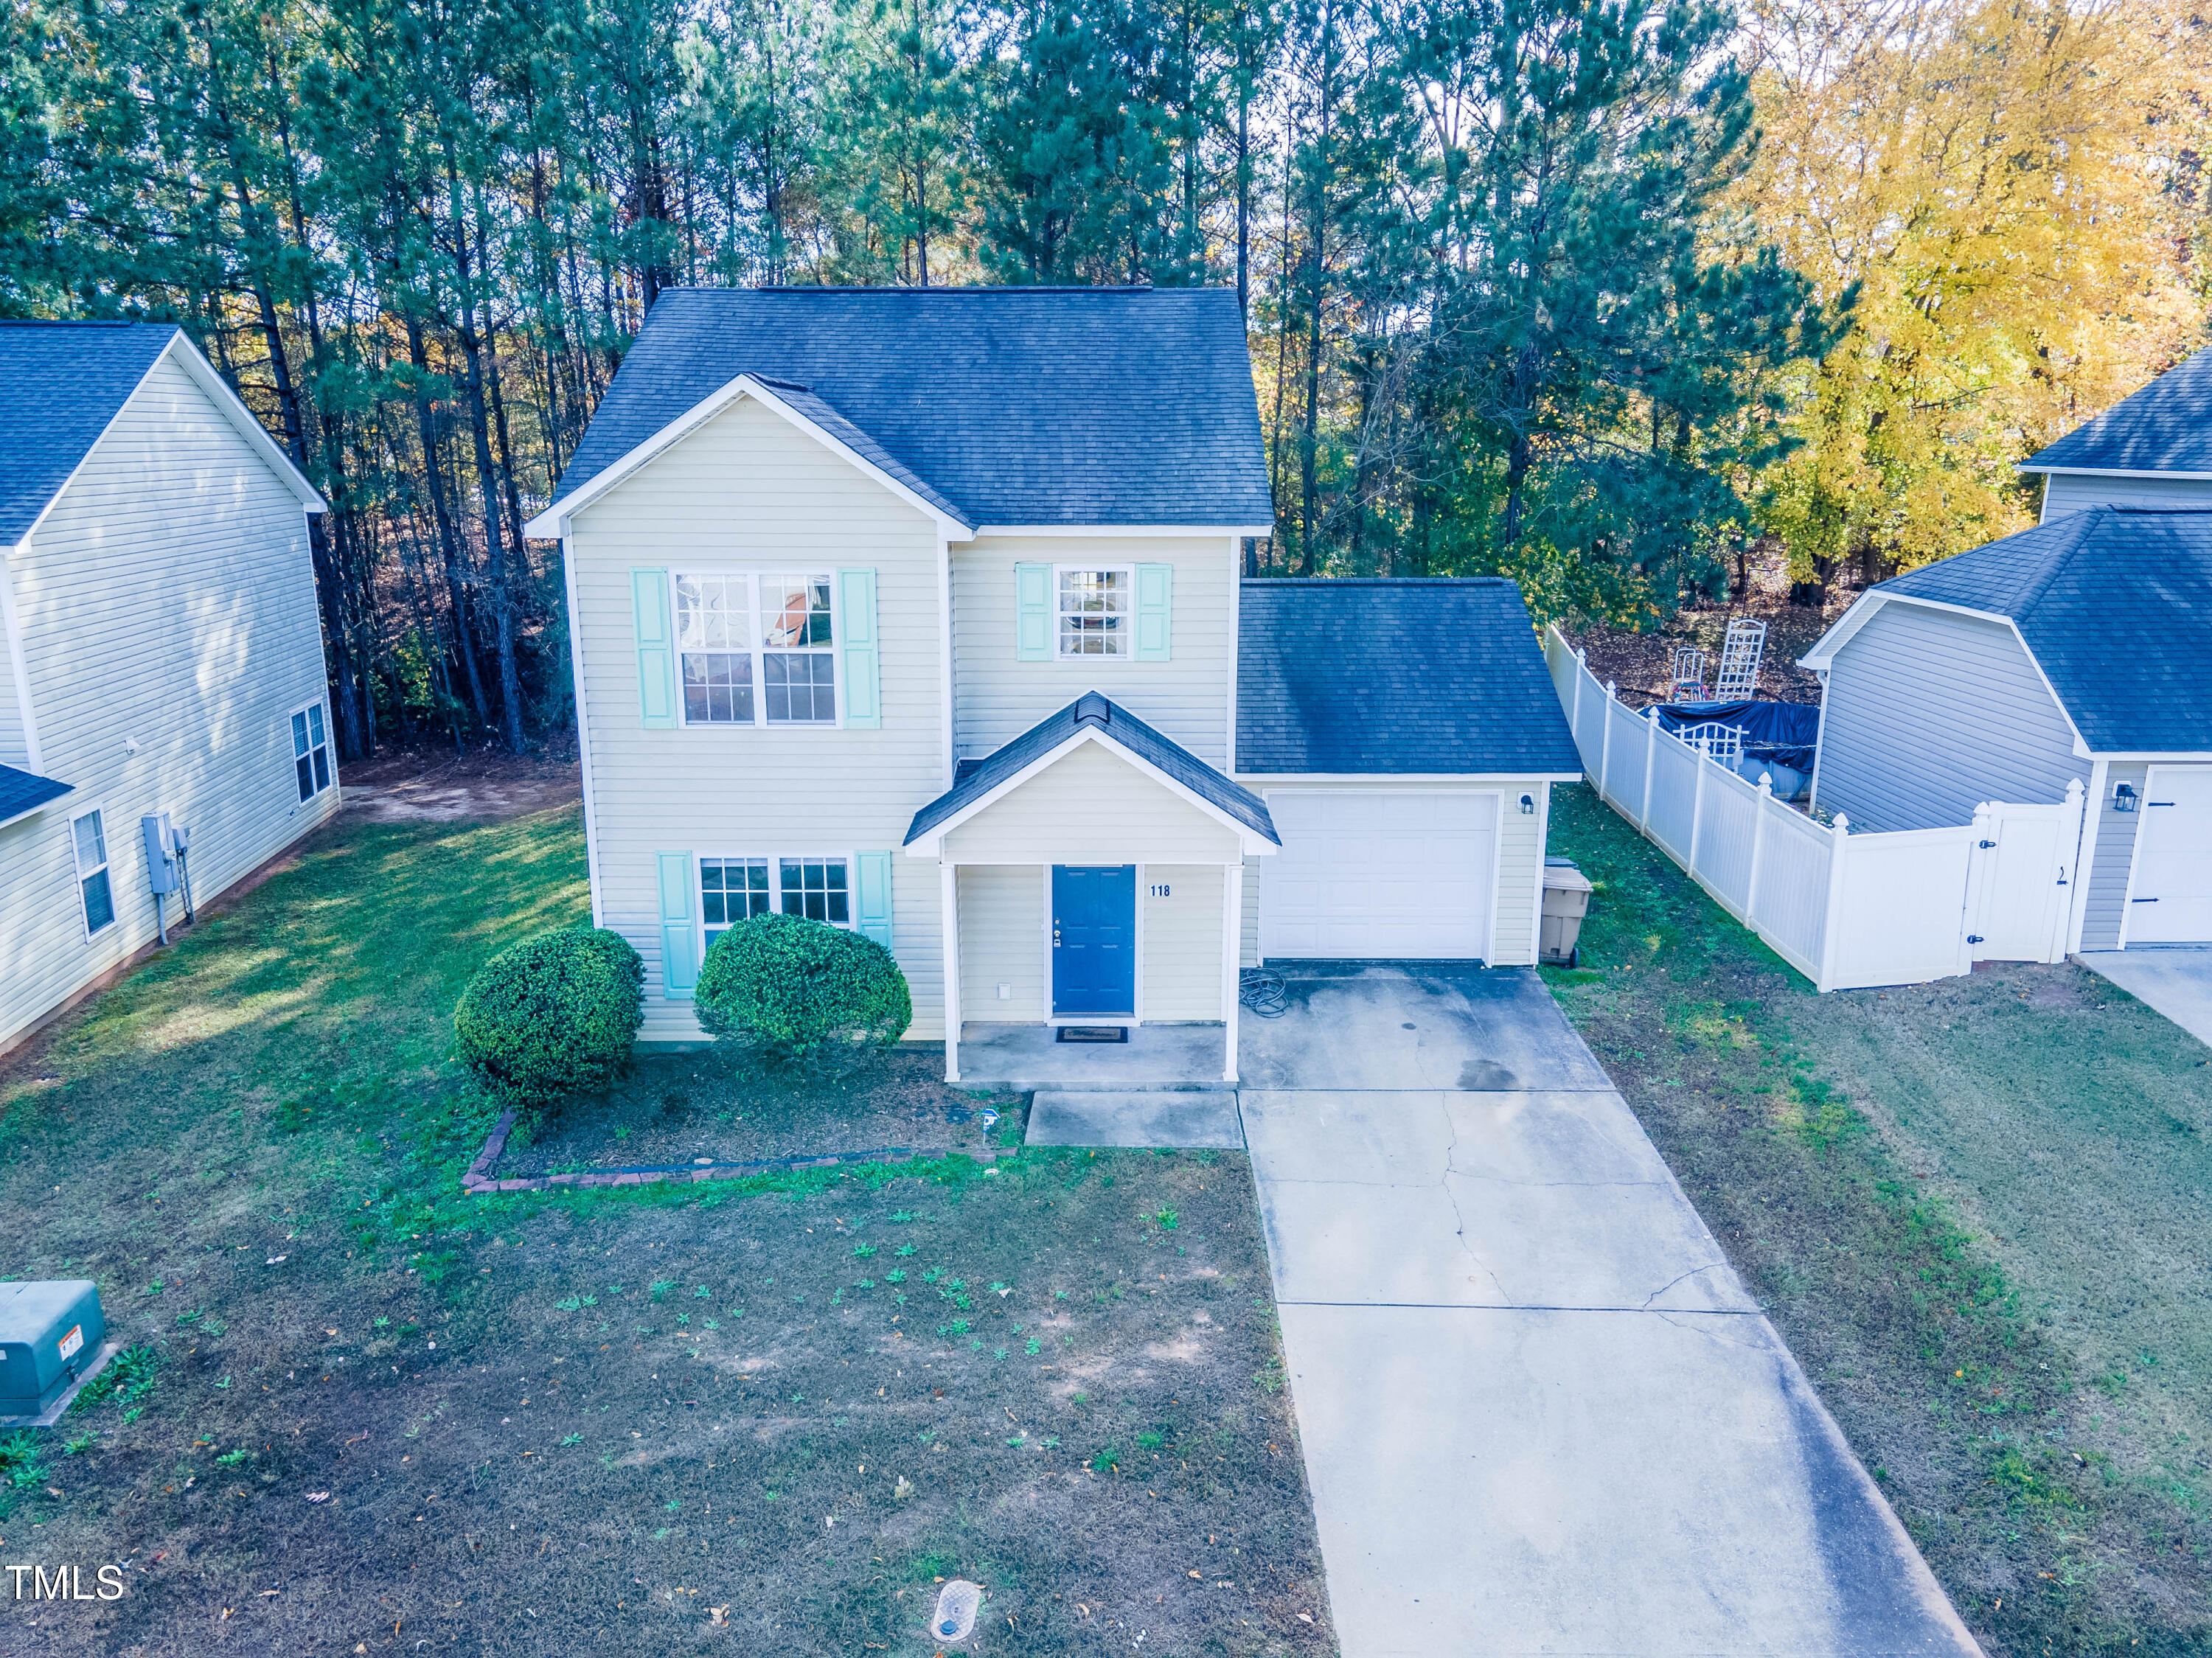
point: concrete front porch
(1157, 1058)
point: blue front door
(1094, 938)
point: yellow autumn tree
(1996, 180)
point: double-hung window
(731, 890)
(756, 649)
(1094, 610)
(734, 890)
(311, 751)
(89, 837)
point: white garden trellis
(1738, 679)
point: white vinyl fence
(1845, 910)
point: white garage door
(1380, 876)
(2172, 902)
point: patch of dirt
(1638, 664)
(477, 784)
(714, 1106)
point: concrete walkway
(1539, 1414)
(2175, 983)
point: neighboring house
(159, 646)
(919, 611)
(2081, 649)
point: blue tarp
(1784, 732)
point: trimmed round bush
(796, 987)
(553, 1016)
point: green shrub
(795, 988)
(554, 1015)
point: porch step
(1179, 1117)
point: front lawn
(366, 1413)
(1976, 1209)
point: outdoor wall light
(1528, 805)
(2124, 796)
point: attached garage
(1405, 735)
(1381, 875)
(2170, 898)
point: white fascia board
(188, 358)
(931, 845)
(1155, 531)
(1355, 779)
(2117, 472)
(553, 523)
(2157, 757)
(1823, 655)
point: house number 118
(1160, 891)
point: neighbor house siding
(167, 600)
(997, 696)
(748, 491)
(2069, 492)
(1089, 806)
(1182, 942)
(1002, 942)
(14, 738)
(2112, 859)
(1929, 713)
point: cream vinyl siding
(14, 744)
(1180, 963)
(1002, 941)
(2069, 492)
(1089, 806)
(997, 698)
(169, 598)
(2114, 859)
(1520, 857)
(1929, 713)
(748, 491)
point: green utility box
(49, 1334)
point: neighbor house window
(731, 890)
(1094, 611)
(815, 888)
(311, 751)
(93, 888)
(756, 650)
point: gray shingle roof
(2165, 427)
(976, 779)
(1395, 675)
(2115, 604)
(22, 791)
(60, 385)
(1017, 405)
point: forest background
(1601, 296)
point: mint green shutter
(656, 651)
(679, 940)
(1155, 601)
(1032, 612)
(856, 649)
(874, 915)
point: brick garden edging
(479, 1181)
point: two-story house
(920, 612)
(2077, 652)
(160, 652)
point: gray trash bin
(1566, 900)
(50, 1333)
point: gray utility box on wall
(1566, 900)
(50, 1333)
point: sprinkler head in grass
(957, 1606)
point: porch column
(949, 899)
(1232, 958)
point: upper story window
(311, 751)
(756, 649)
(1095, 608)
(90, 839)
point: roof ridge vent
(1093, 705)
(774, 383)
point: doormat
(1093, 1033)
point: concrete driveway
(1540, 1413)
(2176, 982)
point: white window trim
(293, 757)
(751, 574)
(98, 808)
(1127, 633)
(775, 861)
